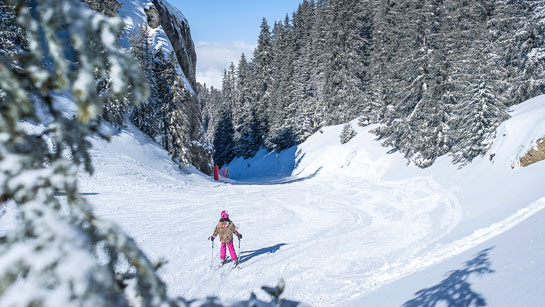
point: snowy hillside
(341, 224)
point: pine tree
(321, 55)
(282, 106)
(244, 132)
(178, 123)
(475, 134)
(303, 101)
(347, 133)
(105, 7)
(144, 116)
(344, 84)
(479, 108)
(64, 237)
(536, 56)
(12, 36)
(262, 80)
(417, 120)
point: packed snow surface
(344, 225)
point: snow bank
(515, 137)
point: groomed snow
(341, 224)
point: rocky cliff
(177, 29)
(169, 30)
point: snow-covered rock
(170, 32)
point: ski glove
(211, 238)
(239, 236)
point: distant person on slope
(226, 228)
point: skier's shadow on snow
(455, 290)
(247, 255)
(82, 194)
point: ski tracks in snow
(330, 238)
(325, 238)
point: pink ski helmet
(224, 214)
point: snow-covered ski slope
(341, 224)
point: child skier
(226, 228)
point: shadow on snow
(82, 194)
(247, 255)
(274, 180)
(455, 290)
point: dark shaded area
(247, 255)
(286, 138)
(223, 141)
(83, 194)
(274, 180)
(455, 290)
(273, 171)
(393, 150)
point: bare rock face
(535, 154)
(177, 31)
(179, 35)
(153, 17)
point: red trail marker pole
(216, 172)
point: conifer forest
(437, 77)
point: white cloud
(213, 58)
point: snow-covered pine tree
(302, 105)
(384, 17)
(476, 128)
(243, 109)
(163, 76)
(210, 100)
(144, 116)
(12, 37)
(417, 121)
(320, 57)
(105, 7)
(282, 100)
(51, 254)
(262, 79)
(347, 133)
(509, 35)
(478, 109)
(178, 123)
(223, 139)
(344, 87)
(115, 108)
(536, 56)
(224, 133)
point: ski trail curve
(391, 272)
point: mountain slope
(336, 222)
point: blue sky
(223, 29)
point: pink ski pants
(231, 250)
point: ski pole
(212, 258)
(239, 254)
